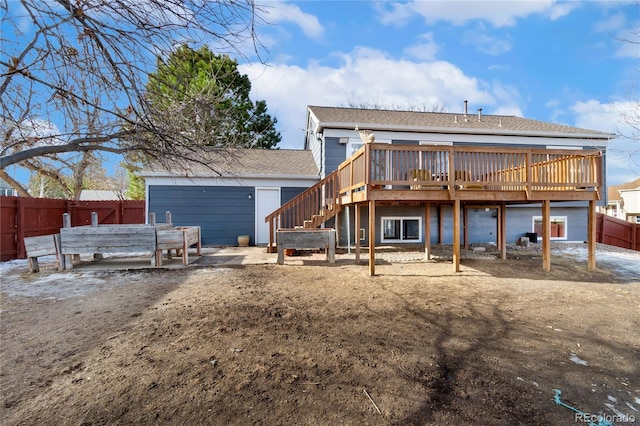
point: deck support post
(546, 235)
(502, 230)
(456, 235)
(440, 224)
(465, 223)
(591, 237)
(427, 231)
(356, 212)
(372, 237)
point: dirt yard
(312, 343)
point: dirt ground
(312, 343)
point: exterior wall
(335, 154)
(482, 224)
(222, 212)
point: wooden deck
(385, 174)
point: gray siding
(315, 146)
(335, 152)
(482, 224)
(288, 193)
(222, 212)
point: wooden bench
(306, 239)
(44, 245)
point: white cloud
(498, 13)
(613, 24)
(369, 75)
(484, 42)
(279, 12)
(623, 153)
(425, 50)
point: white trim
(199, 181)
(506, 139)
(401, 219)
(551, 219)
(469, 131)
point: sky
(561, 62)
(568, 62)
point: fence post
(67, 259)
(94, 222)
(168, 217)
(152, 219)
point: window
(558, 227)
(401, 229)
(352, 146)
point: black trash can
(533, 237)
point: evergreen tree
(206, 98)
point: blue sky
(546, 60)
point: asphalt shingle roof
(245, 162)
(613, 192)
(454, 122)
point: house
(6, 189)
(232, 196)
(623, 201)
(99, 195)
(397, 177)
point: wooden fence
(30, 217)
(617, 232)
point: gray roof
(375, 119)
(243, 162)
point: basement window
(401, 229)
(558, 227)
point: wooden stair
(309, 209)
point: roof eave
(216, 176)
(467, 130)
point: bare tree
(73, 73)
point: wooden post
(372, 237)
(356, 212)
(94, 223)
(546, 235)
(456, 235)
(465, 227)
(427, 231)
(167, 216)
(440, 224)
(502, 233)
(591, 236)
(152, 219)
(270, 248)
(67, 258)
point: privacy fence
(22, 217)
(617, 232)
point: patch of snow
(612, 398)
(625, 262)
(631, 406)
(577, 360)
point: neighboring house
(623, 201)
(6, 189)
(99, 195)
(422, 168)
(234, 195)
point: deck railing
(426, 167)
(314, 201)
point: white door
(267, 200)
